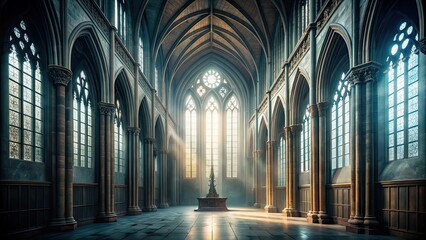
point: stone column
(312, 215)
(106, 175)
(292, 133)
(133, 169)
(257, 186)
(323, 108)
(149, 176)
(162, 155)
(270, 177)
(62, 212)
(370, 221)
(357, 167)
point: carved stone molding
(149, 140)
(325, 15)
(96, 13)
(133, 130)
(59, 75)
(363, 73)
(106, 108)
(296, 128)
(313, 110)
(323, 108)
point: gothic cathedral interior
(305, 109)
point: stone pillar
(363, 79)
(133, 169)
(292, 135)
(62, 214)
(270, 177)
(149, 176)
(162, 155)
(257, 187)
(370, 221)
(106, 175)
(312, 215)
(322, 159)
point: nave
(183, 223)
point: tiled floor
(183, 223)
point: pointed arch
(278, 119)
(335, 58)
(144, 119)
(299, 97)
(123, 89)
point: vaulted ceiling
(235, 33)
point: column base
(270, 209)
(290, 212)
(323, 218)
(135, 210)
(106, 217)
(312, 217)
(256, 205)
(151, 208)
(62, 224)
(164, 205)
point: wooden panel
(280, 200)
(24, 206)
(85, 201)
(304, 200)
(402, 206)
(120, 198)
(338, 202)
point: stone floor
(183, 223)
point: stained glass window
(118, 139)
(212, 136)
(340, 125)
(281, 162)
(305, 143)
(82, 122)
(190, 139)
(25, 97)
(141, 52)
(120, 18)
(232, 112)
(402, 96)
(211, 79)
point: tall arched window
(340, 125)
(141, 54)
(232, 112)
(25, 97)
(156, 79)
(281, 162)
(82, 116)
(303, 16)
(402, 98)
(190, 139)
(118, 138)
(305, 143)
(212, 136)
(120, 18)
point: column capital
(363, 73)
(313, 110)
(106, 108)
(323, 108)
(295, 128)
(422, 45)
(149, 140)
(59, 75)
(133, 130)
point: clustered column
(149, 200)
(292, 134)
(312, 216)
(323, 108)
(133, 136)
(256, 189)
(106, 163)
(270, 177)
(363, 80)
(62, 172)
(162, 155)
